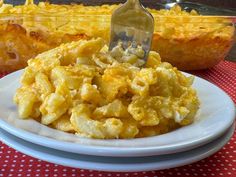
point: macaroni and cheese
(83, 88)
(29, 29)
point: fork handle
(135, 3)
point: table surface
(221, 164)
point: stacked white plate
(211, 130)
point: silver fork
(132, 25)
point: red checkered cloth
(221, 164)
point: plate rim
(112, 151)
(132, 167)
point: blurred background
(229, 4)
(204, 7)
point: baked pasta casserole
(189, 41)
(83, 88)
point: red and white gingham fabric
(221, 164)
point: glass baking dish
(186, 40)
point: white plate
(116, 164)
(216, 114)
